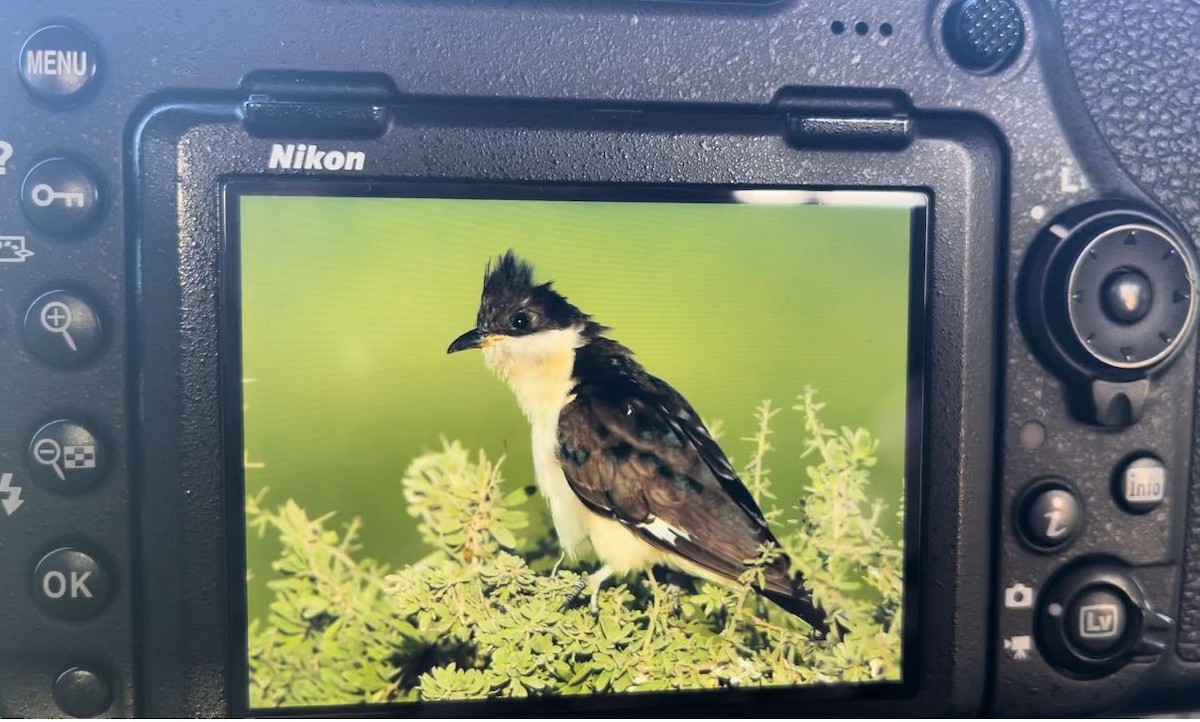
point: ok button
(70, 584)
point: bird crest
(509, 287)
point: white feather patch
(660, 529)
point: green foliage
(477, 617)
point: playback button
(61, 196)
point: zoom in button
(63, 330)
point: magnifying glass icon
(56, 318)
(48, 452)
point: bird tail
(790, 593)
(802, 606)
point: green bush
(483, 614)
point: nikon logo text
(309, 157)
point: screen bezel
(918, 200)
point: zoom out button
(65, 456)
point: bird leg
(652, 621)
(595, 579)
(575, 592)
(557, 564)
(591, 583)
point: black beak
(470, 339)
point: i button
(1049, 515)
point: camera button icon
(1018, 596)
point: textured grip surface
(1137, 65)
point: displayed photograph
(502, 446)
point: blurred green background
(348, 305)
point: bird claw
(674, 596)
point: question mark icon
(5, 154)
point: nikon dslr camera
(428, 357)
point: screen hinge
(283, 104)
(846, 119)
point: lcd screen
(578, 443)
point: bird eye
(521, 320)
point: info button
(1142, 485)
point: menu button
(59, 64)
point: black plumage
(632, 448)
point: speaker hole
(886, 30)
(837, 27)
(861, 28)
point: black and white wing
(633, 449)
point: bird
(622, 459)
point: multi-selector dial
(1110, 299)
(1129, 296)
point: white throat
(538, 368)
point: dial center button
(1127, 296)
